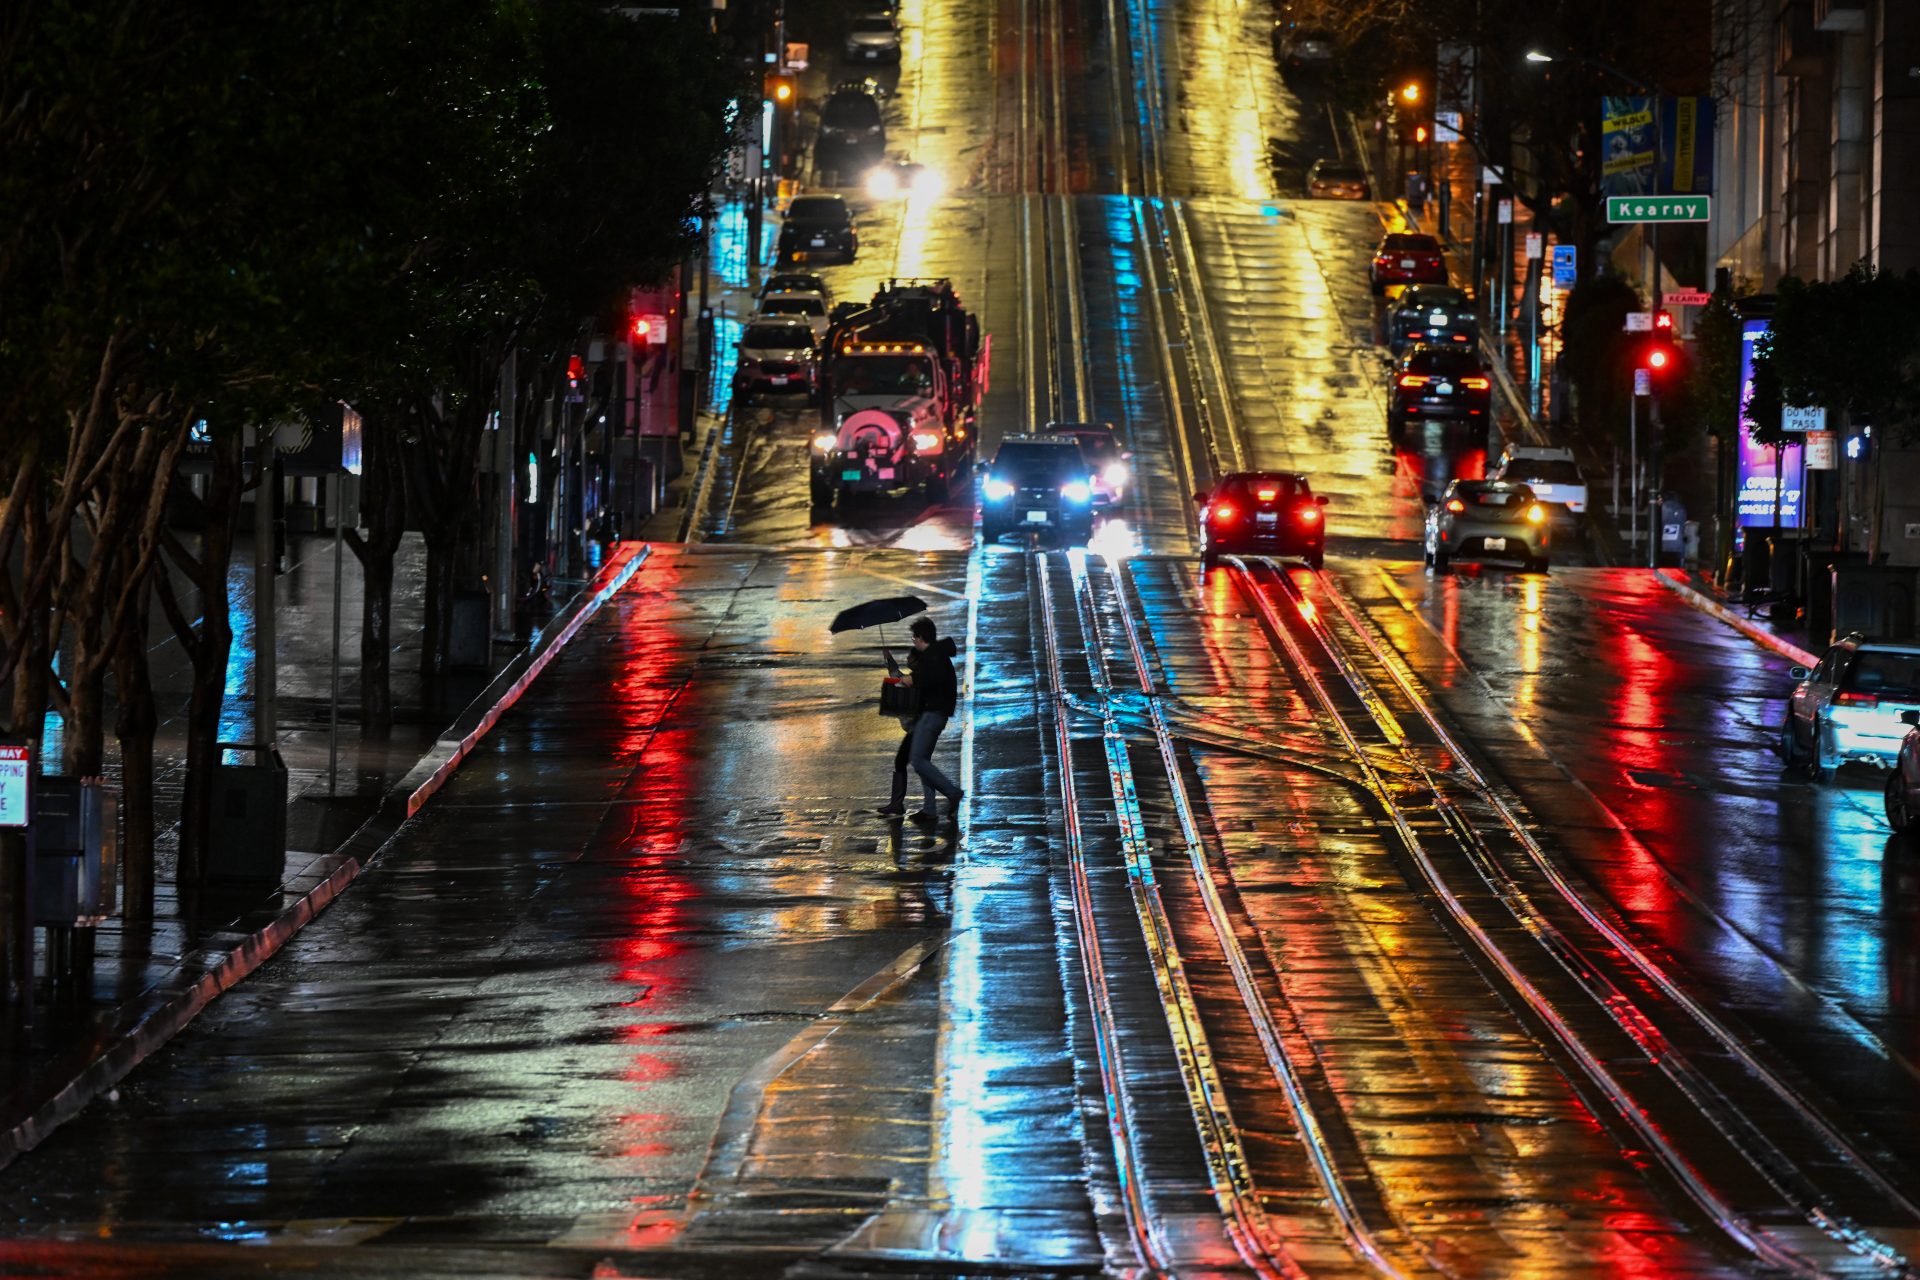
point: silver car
(1851, 706)
(1488, 519)
(873, 37)
(777, 355)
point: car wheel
(1899, 814)
(1377, 287)
(1426, 554)
(1209, 560)
(991, 532)
(937, 489)
(1790, 742)
(1818, 770)
(1441, 561)
(1538, 564)
(1317, 558)
(820, 493)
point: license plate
(778, 379)
(1438, 317)
(1266, 519)
(849, 475)
(1406, 262)
(1444, 389)
(1036, 517)
(1496, 544)
(819, 242)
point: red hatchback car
(1407, 258)
(1271, 513)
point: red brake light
(1857, 699)
(1266, 495)
(1474, 384)
(1309, 515)
(1222, 513)
(1414, 380)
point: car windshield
(846, 111)
(818, 209)
(1039, 463)
(1443, 361)
(1411, 244)
(794, 307)
(883, 375)
(1098, 445)
(1545, 470)
(793, 284)
(1250, 488)
(775, 337)
(1433, 300)
(1494, 497)
(1886, 673)
(874, 25)
(1338, 173)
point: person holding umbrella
(930, 674)
(934, 693)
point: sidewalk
(148, 978)
(1790, 639)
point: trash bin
(1673, 527)
(248, 836)
(76, 851)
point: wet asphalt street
(1365, 923)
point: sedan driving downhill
(1270, 513)
(1495, 519)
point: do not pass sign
(14, 764)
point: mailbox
(249, 828)
(76, 852)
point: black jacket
(933, 677)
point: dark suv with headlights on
(1037, 483)
(1438, 383)
(853, 137)
(819, 229)
(777, 357)
(1268, 513)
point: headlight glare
(997, 490)
(1077, 491)
(825, 441)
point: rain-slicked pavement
(1371, 922)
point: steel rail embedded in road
(1769, 1163)
(1359, 1234)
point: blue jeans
(916, 749)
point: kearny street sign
(1659, 208)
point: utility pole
(266, 641)
(507, 455)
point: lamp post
(1654, 96)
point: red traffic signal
(779, 88)
(1659, 358)
(1663, 321)
(576, 370)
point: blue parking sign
(1566, 270)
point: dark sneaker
(891, 811)
(924, 818)
(953, 805)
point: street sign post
(1536, 245)
(1794, 417)
(1639, 322)
(1643, 382)
(1503, 212)
(1821, 455)
(1659, 208)
(1686, 297)
(1566, 266)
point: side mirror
(1200, 497)
(1910, 718)
(1321, 500)
(1799, 673)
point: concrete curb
(1671, 579)
(156, 1017)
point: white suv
(1551, 473)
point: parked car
(853, 136)
(1476, 519)
(1407, 258)
(1337, 180)
(1438, 383)
(777, 356)
(1439, 315)
(1302, 49)
(818, 229)
(1903, 783)
(1106, 457)
(873, 37)
(1271, 513)
(797, 282)
(1037, 483)
(1550, 472)
(1851, 706)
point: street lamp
(1534, 55)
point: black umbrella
(875, 612)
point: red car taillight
(1222, 513)
(1309, 515)
(1856, 699)
(1474, 384)
(1414, 380)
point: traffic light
(1419, 133)
(1661, 359)
(1410, 92)
(576, 370)
(779, 89)
(1663, 322)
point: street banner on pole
(1686, 145)
(14, 764)
(1627, 142)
